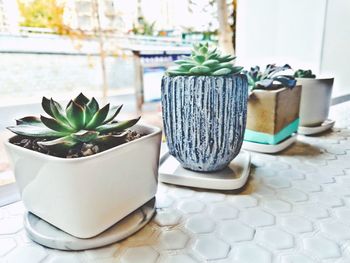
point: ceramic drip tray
(326, 125)
(232, 177)
(46, 234)
(269, 148)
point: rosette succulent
(268, 78)
(82, 121)
(300, 73)
(204, 62)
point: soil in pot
(81, 150)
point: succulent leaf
(46, 105)
(112, 114)
(29, 120)
(85, 136)
(300, 73)
(91, 108)
(204, 62)
(58, 112)
(99, 117)
(59, 145)
(35, 131)
(118, 126)
(55, 125)
(76, 115)
(110, 139)
(81, 100)
(269, 77)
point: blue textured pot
(204, 119)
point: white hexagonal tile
(143, 254)
(297, 224)
(181, 192)
(321, 247)
(182, 258)
(313, 211)
(191, 206)
(64, 259)
(277, 206)
(249, 253)
(163, 201)
(27, 254)
(172, 239)
(169, 217)
(208, 197)
(100, 253)
(144, 235)
(292, 195)
(335, 230)
(307, 186)
(292, 174)
(198, 224)
(257, 217)
(223, 211)
(6, 245)
(15, 209)
(278, 166)
(11, 225)
(343, 214)
(264, 172)
(275, 238)
(210, 248)
(234, 231)
(243, 201)
(296, 258)
(278, 182)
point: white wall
(303, 33)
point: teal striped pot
(204, 119)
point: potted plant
(273, 106)
(316, 97)
(79, 169)
(204, 103)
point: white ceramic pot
(85, 196)
(315, 101)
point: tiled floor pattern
(295, 209)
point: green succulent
(300, 73)
(204, 62)
(82, 121)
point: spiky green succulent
(267, 79)
(300, 73)
(204, 62)
(82, 121)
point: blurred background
(118, 50)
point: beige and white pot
(316, 95)
(85, 196)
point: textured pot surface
(204, 119)
(315, 101)
(85, 196)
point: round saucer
(269, 148)
(326, 125)
(46, 234)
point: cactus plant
(204, 62)
(82, 121)
(305, 74)
(269, 77)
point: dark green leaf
(85, 136)
(55, 125)
(112, 114)
(35, 131)
(46, 105)
(58, 112)
(30, 120)
(91, 108)
(60, 145)
(111, 139)
(81, 99)
(98, 118)
(76, 116)
(117, 127)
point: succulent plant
(269, 77)
(82, 121)
(300, 73)
(204, 62)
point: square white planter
(85, 196)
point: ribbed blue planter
(204, 119)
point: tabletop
(295, 208)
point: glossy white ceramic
(315, 100)
(85, 196)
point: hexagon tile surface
(295, 209)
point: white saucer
(232, 177)
(46, 234)
(269, 148)
(326, 125)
